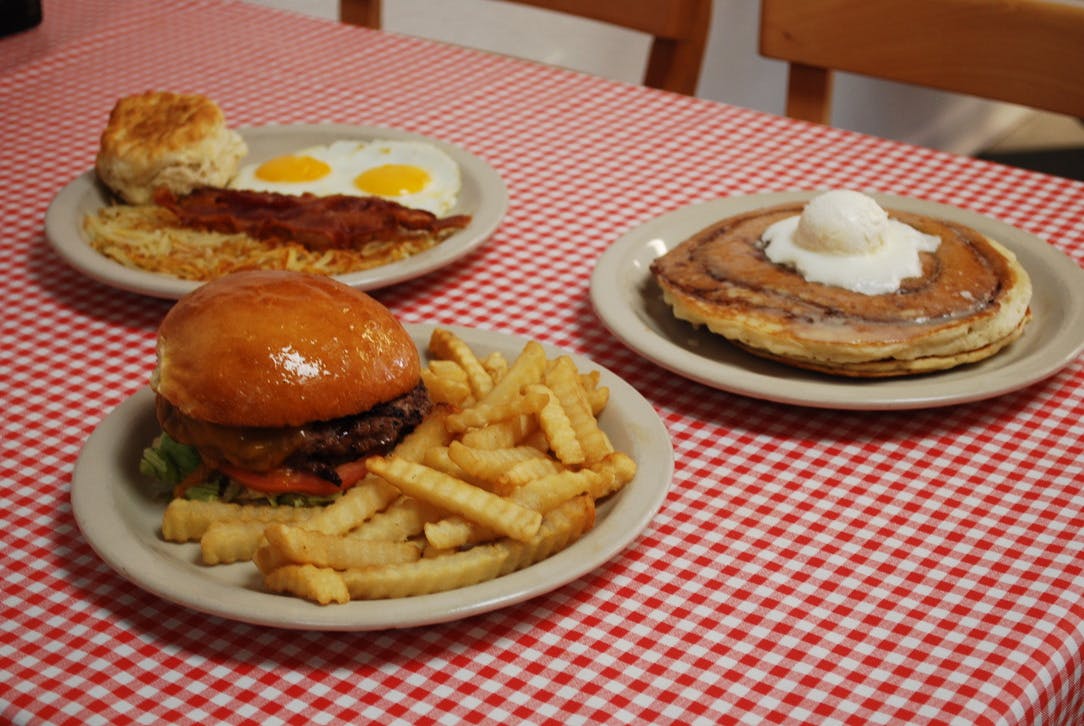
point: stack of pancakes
(970, 301)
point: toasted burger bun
(274, 349)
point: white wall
(733, 70)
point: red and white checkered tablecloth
(806, 566)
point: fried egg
(313, 170)
(413, 173)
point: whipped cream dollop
(844, 238)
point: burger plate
(121, 519)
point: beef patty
(316, 447)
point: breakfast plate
(627, 299)
(121, 519)
(482, 195)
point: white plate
(483, 196)
(122, 521)
(627, 299)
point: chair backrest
(679, 30)
(1029, 52)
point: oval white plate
(483, 196)
(122, 521)
(628, 301)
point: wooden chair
(679, 29)
(1029, 52)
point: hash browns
(149, 238)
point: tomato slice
(352, 472)
(292, 481)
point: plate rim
(97, 499)
(808, 389)
(65, 236)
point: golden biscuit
(160, 139)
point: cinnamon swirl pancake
(969, 301)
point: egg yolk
(292, 169)
(392, 180)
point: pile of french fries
(504, 473)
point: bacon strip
(332, 222)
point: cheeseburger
(276, 386)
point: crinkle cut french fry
(355, 506)
(615, 471)
(459, 497)
(527, 368)
(404, 518)
(455, 531)
(549, 492)
(447, 390)
(489, 412)
(557, 427)
(536, 439)
(429, 433)
(525, 471)
(448, 369)
(427, 575)
(597, 398)
(319, 584)
(541, 495)
(439, 459)
(186, 520)
(560, 528)
(447, 383)
(496, 365)
(446, 571)
(430, 552)
(502, 434)
(267, 558)
(234, 541)
(490, 464)
(339, 553)
(563, 379)
(503, 400)
(446, 345)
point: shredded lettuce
(204, 491)
(168, 461)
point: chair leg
(672, 66)
(809, 93)
(360, 12)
